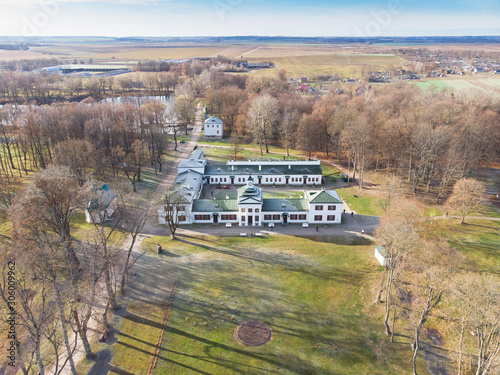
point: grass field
(362, 201)
(478, 240)
(485, 84)
(305, 289)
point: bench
(243, 234)
(229, 225)
(271, 225)
(259, 234)
(305, 225)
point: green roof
(323, 196)
(285, 205)
(215, 205)
(266, 170)
(104, 197)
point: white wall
(277, 180)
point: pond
(167, 100)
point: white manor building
(212, 127)
(246, 206)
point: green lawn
(361, 202)
(311, 292)
(477, 240)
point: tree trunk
(381, 289)
(62, 318)
(393, 321)
(41, 366)
(82, 331)
(460, 345)
(109, 288)
(415, 352)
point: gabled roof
(249, 194)
(104, 196)
(323, 196)
(195, 160)
(213, 120)
(187, 184)
(215, 205)
(285, 205)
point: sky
(371, 18)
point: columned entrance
(285, 218)
(216, 218)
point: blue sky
(249, 17)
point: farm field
(19, 55)
(127, 52)
(484, 84)
(350, 65)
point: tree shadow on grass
(103, 367)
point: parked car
(218, 187)
(182, 141)
(226, 187)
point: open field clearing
(304, 289)
(483, 84)
(161, 53)
(128, 52)
(345, 64)
(276, 50)
(19, 55)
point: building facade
(212, 127)
(246, 207)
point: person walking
(317, 228)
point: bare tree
(173, 205)
(467, 197)
(399, 238)
(262, 118)
(479, 304)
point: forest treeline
(429, 138)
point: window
(318, 217)
(293, 217)
(202, 217)
(267, 217)
(243, 210)
(243, 218)
(267, 179)
(330, 218)
(317, 179)
(228, 217)
(331, 208)
(250, 210)
(318, 208)
(217, 132)
(276, 217)
(181, 209)
(257, 210)
(302, 217)
(213, 179)
(256, 219)
(182, 218)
